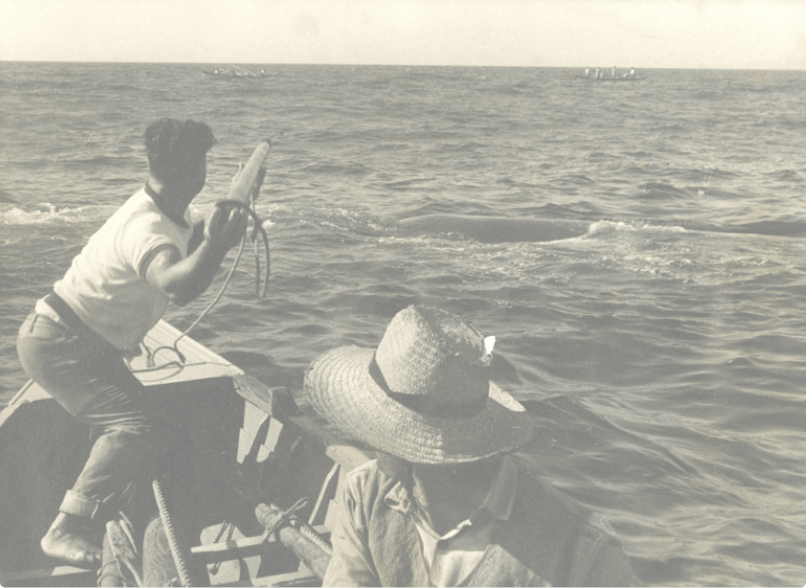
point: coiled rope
(257, 229)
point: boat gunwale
(276, 403)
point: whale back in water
(496, 229)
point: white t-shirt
(106, 285)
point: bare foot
(68, 539)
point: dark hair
(174, 145)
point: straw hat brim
(341, 390)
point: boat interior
(244, 497)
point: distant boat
(613, 75)
(612, 79)
(230, 72)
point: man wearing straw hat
(445, 504)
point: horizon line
(489, 66)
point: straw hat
(424, 394)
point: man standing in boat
(73, 344)
(445, 503)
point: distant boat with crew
(613, 74)
(234, 71)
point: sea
(638, 250)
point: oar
(309, 548)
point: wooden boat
(611, 78)
(237, 73)
(241, 452)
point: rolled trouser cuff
(79, 505)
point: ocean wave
(786, 175)
(790, 123)
(707, 174)
(777, 228)
(573, 180)
(660, 190)
(50, 214)
(329, 170)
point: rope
(285, 518)
(257, 229)
(230, 529)
(288, 517)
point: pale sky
(718, 34)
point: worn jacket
(548, 541)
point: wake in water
(498, 229)
(494, 229)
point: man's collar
(399, 498)
(160, 202)
(498, 502)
